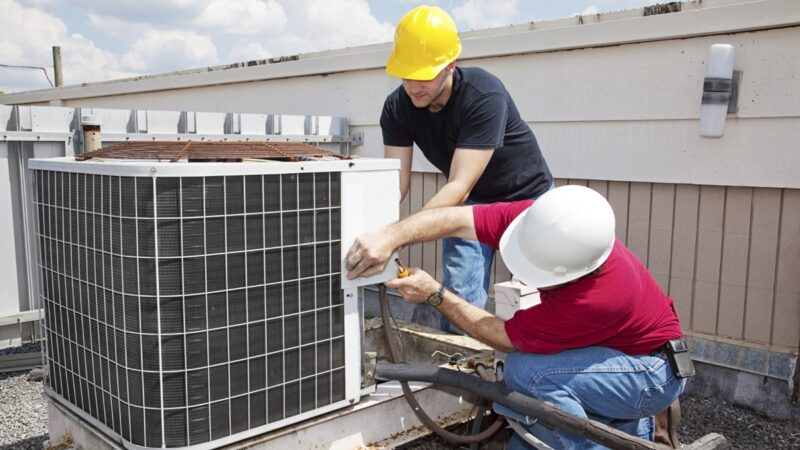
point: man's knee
(520, 370)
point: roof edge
(694, 19)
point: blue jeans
(599, 383)
(467, 267)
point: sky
(106, 39)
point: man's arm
(466, 168)
(405, 155)
(370, 252)
(476, 322)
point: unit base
(380, 420)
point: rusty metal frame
(207, 151)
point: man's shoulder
(493, 219)
(394, 97)
(482, 81)
(470, 73)
(621, 274)
(396, 107)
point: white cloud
(273, 27)
(26, 37)
(156, 12)
(249, 51)
(219, 17)
(115, 27)
(38, 2)
(243, 17)
(485, 13)
(162, 51)
(588, 11)
(122, 39)
(330, 24)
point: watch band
(436, 298)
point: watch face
(435, 299)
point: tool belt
(677, 353)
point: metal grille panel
(184, 310)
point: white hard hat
(567, 233)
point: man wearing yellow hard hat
(466, 124)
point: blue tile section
(754, 360)
(727, 354)
(782, 365)
(751, 360)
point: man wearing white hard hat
(604, 342)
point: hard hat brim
(525, 270)
(427, 73)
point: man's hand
(476, 322)
(417, 287)
(369, 254)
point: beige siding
(417, 200)
(618, 197)
(762, 264)
(728, 256)
(639, 220)
(735, 251)
(661, 223)
(429, 187)
(684, 249)
(708, 264)
(785, 325)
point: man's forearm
(432, 224)
(466, 169)
(453, 193)
(476, 322)
(405, 155)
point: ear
(451, 68)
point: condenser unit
(194, 304)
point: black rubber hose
(476, 424)
(395, 356)
(547, 413)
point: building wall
(624, 112)
(728, 256)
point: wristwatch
(436, 298)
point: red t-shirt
(622, 307)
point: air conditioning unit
(197, 304)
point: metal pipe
(57, 66)
(92, 137)
(522, 404)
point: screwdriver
(402, 272)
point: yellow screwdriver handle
(402, 272)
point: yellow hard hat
(425, 41)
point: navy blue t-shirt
(480, 114)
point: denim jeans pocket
(655, 399)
